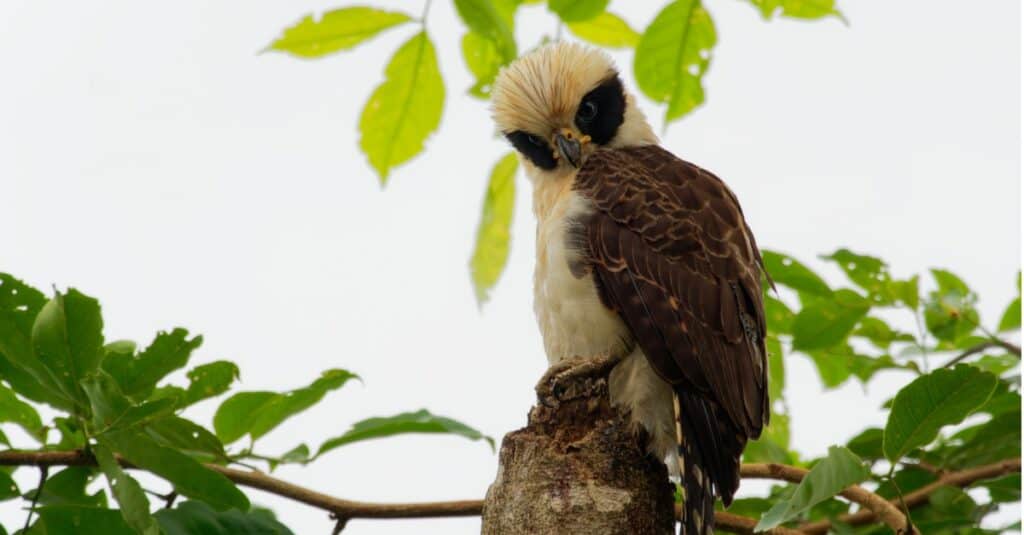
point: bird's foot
(559, 382)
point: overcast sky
(149, 156)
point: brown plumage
(670, 252)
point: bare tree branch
(348, 509)
(342, 510)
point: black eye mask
(537, 149)
(602, 111)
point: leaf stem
(899, 496)
(43, 472)
(426, 10)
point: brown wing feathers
(671, 253)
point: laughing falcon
(644, 263)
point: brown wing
(670, 251)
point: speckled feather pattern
(670, 252)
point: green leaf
(187, 436)
(127, 492)
(209, 380)
(67, 337)
(340, 29)
(112, 410)
(1005, 489)
(773, 445)
(487, 19)
(865, 367)
(420, 421)
(492, 235)
(879, 333)
(868, 444)
(1011, 317)
(236, 415)
(483, 60)
(19, 306)
(992, 441)
(1003, 400)
(577, 10)
(197, 518)
(672, 56)
(788, 271)
(906, 291)
(907, 479)
(606, 30)
(18, 412)
(750, 507)
(176, 393)
(950, 509)
(997, 364)
(949, 313)
(186, 474)
(257, 413)
(105, 399)
(872, 274)
(68, 487)
(297, 455)
(71, 435)
(405, 109)
(832, 365)
(827, 322)
(840, 469)
(779, 316)
(947, 281)
(8, 488)
(137, 376)
(798, 9)
(73, 519)
(868, 272)
(943, 397)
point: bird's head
(561, 102)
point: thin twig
(1012, 348)
(43, 471)
(899, 498)
(973, 350)
(1015, 349)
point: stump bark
(578, 467)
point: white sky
(150, 157)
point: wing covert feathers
(670, 252)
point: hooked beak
(569, 145)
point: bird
(645, 268)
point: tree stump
(577, 467)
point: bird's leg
(553, 387)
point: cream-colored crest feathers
(540, 92)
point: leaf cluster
(671, 57)
(959, 408)
(119, 404)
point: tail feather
(709, 450)
(698, 516)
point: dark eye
(536, 140)
(587, 111)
